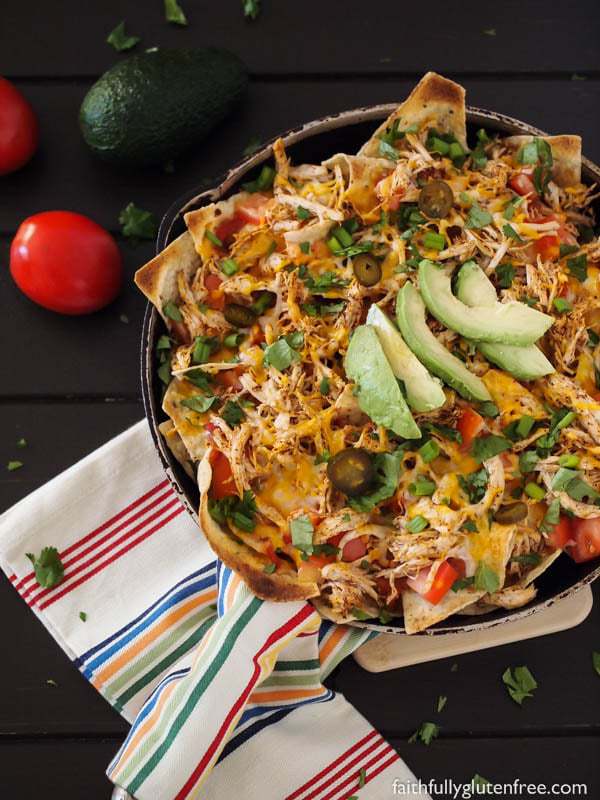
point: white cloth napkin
(224, 690)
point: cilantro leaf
(174, 13)
(301, 530)
(486, 579)
(441, 703)
(199, 403)
(506, 274)
(233, 413)
(552, 515)
(199, 378)
(136, 223)
(251, 8)
(253, 145)
(13, 465)
(282, 354)
(474, 484)
(387, 468)
(511, 233)
(520, 683)
(478, 217)
(240, 512)
(323, 282)
(485, 447)
(48, 567)
(22, 442)
(426, 733)
(596, 661)
(83, 616)
(118, 39)
(578, 267)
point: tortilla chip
(361, 175)
(207, 218)
(566, 152)
(189, 424)
(420, 614)
(176, 446)
(246, 562)
(158, 278)
(436, 102)
(534, 573)
(494, 548)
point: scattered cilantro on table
(48, 567)
(120, 40)
(520, 683)
(174, 13)
(425, 733)
(137, 223)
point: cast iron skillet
(312, 143)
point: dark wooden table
(69, 384)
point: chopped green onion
(422, 487)
(342, 236)
(438, 146)
(434, 241)
(456, 152)
(569, 461)
(429, 451)
(488, 409)
(417, 524)
(562, 478)
(561, 305)
(535, 491)
(229, 267)
(213, 238)
(524, 425)
(527, 461)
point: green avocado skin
(151, 107)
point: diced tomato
(321, 560)
(230, 378)
(522, 184)
(586, 535)
(354, 549)
(442, 583)
(222, 484)
(459, 565)
(252, 209)
(539, 212)
(548, 247)
(469, 426)
(272, 555)
(560, 533)
(226, 230)
(216, 298)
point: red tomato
(226, 230)
(459, 565)
(442, 583)
(216, 298)
(66, 262)
(354, 549)
(230, 378)
(19, 132)
(539, 212)
(321, 560)
(560, 533)
(252, 209)
(586, 533)
(548, 247)
(222, 484)
(522, 184)
(469, 426)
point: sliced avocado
(378, 392)
(410, 313)
(423, 391)
(474, 288)
(507, 323)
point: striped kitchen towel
(224, 691)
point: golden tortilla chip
(566, 152)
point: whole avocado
(151, 107)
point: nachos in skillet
(384, 368)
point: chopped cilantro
(511, 233)
(282, 353)
(384, 616)
(251, 8)
(118, 39)
(474, 484)
(593, 338)
(362, 777)
(253, 145)
(136, 223)
(358, 613)
(478, 217)
(469, 526)
(199, 378)
(48, 567)
(233, 413)
(485, 447)
(323, 282)
(567, 249)
(301, 529)
(520, 683)
(441, 703)
(14, 465)
(528, 153)
(486, 579)
(511, 207)
(561, 305)
(323, 457)
(240, 512)
(578, 267)
(426, 733)
(488, 409)
(527, 461)
(270, 568)
(324, 385)
(302, 213)
(305, 247)
(22, 442)
(174, 13)
(83, 616)
(387, 151)
(171, 310)
(199, 403)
